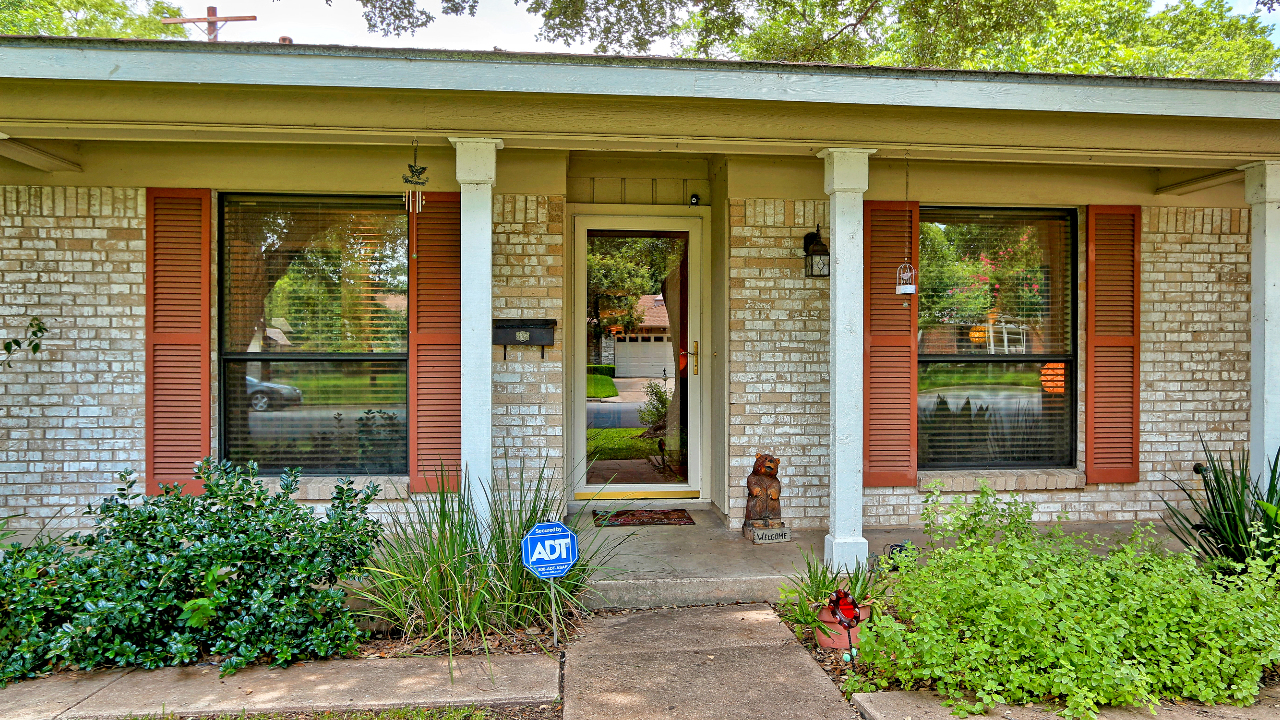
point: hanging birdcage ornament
(906, 279)
(906, 273)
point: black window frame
(1070, 359)
(225, 357)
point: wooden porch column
(1262, 192)
(476, 161)
(845, 180)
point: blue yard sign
(550, 550)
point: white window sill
(1003, 480)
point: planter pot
(839, 639)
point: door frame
(696, 221)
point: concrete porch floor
(707, 563)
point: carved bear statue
(763, 490)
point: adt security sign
(550, 550)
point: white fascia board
(303, 66)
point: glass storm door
(639, 435)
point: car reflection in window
(264, 396)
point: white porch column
(476, 162)
(845, 182)
(1262, 192)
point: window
(996, 346)
(314, 334)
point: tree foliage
(1191, 38)
(91, 18)
(614, 286)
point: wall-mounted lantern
(817, 259)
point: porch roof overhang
(269, 64)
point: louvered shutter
(1112, 344)
(435, 340)
(178, 328)
(891, 231)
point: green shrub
(446, 575)
(653, 413)
(606, 370)
(1235, 517)
(1014, 616)
(237, 572)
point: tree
(1192, 38)
(1123, 37)
(614, 286)
(90, 18)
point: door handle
(693, 354)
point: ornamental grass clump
(444, 575)
(1003, 613)
(238, 572)
(1234, 516)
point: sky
(497, 24)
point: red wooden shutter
(1112, 344)
(891, 233)
(435, 340)
(178, 327)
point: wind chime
(417, 177)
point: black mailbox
(524, 332)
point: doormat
(634, 518)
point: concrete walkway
(737, 662)
(338, 685)
(707, 563)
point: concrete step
(683, 591)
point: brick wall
(778, 373)
(74, 416)
(528, 282)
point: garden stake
(555, 630)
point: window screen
(314, 333)
(996, 349)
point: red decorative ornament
(844, 610)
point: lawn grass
(932, 380)
(339, 389)
(619, 444)
(601, 386)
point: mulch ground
(532, 639)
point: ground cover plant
(996, 611)
(445, 577)
(238, 572)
